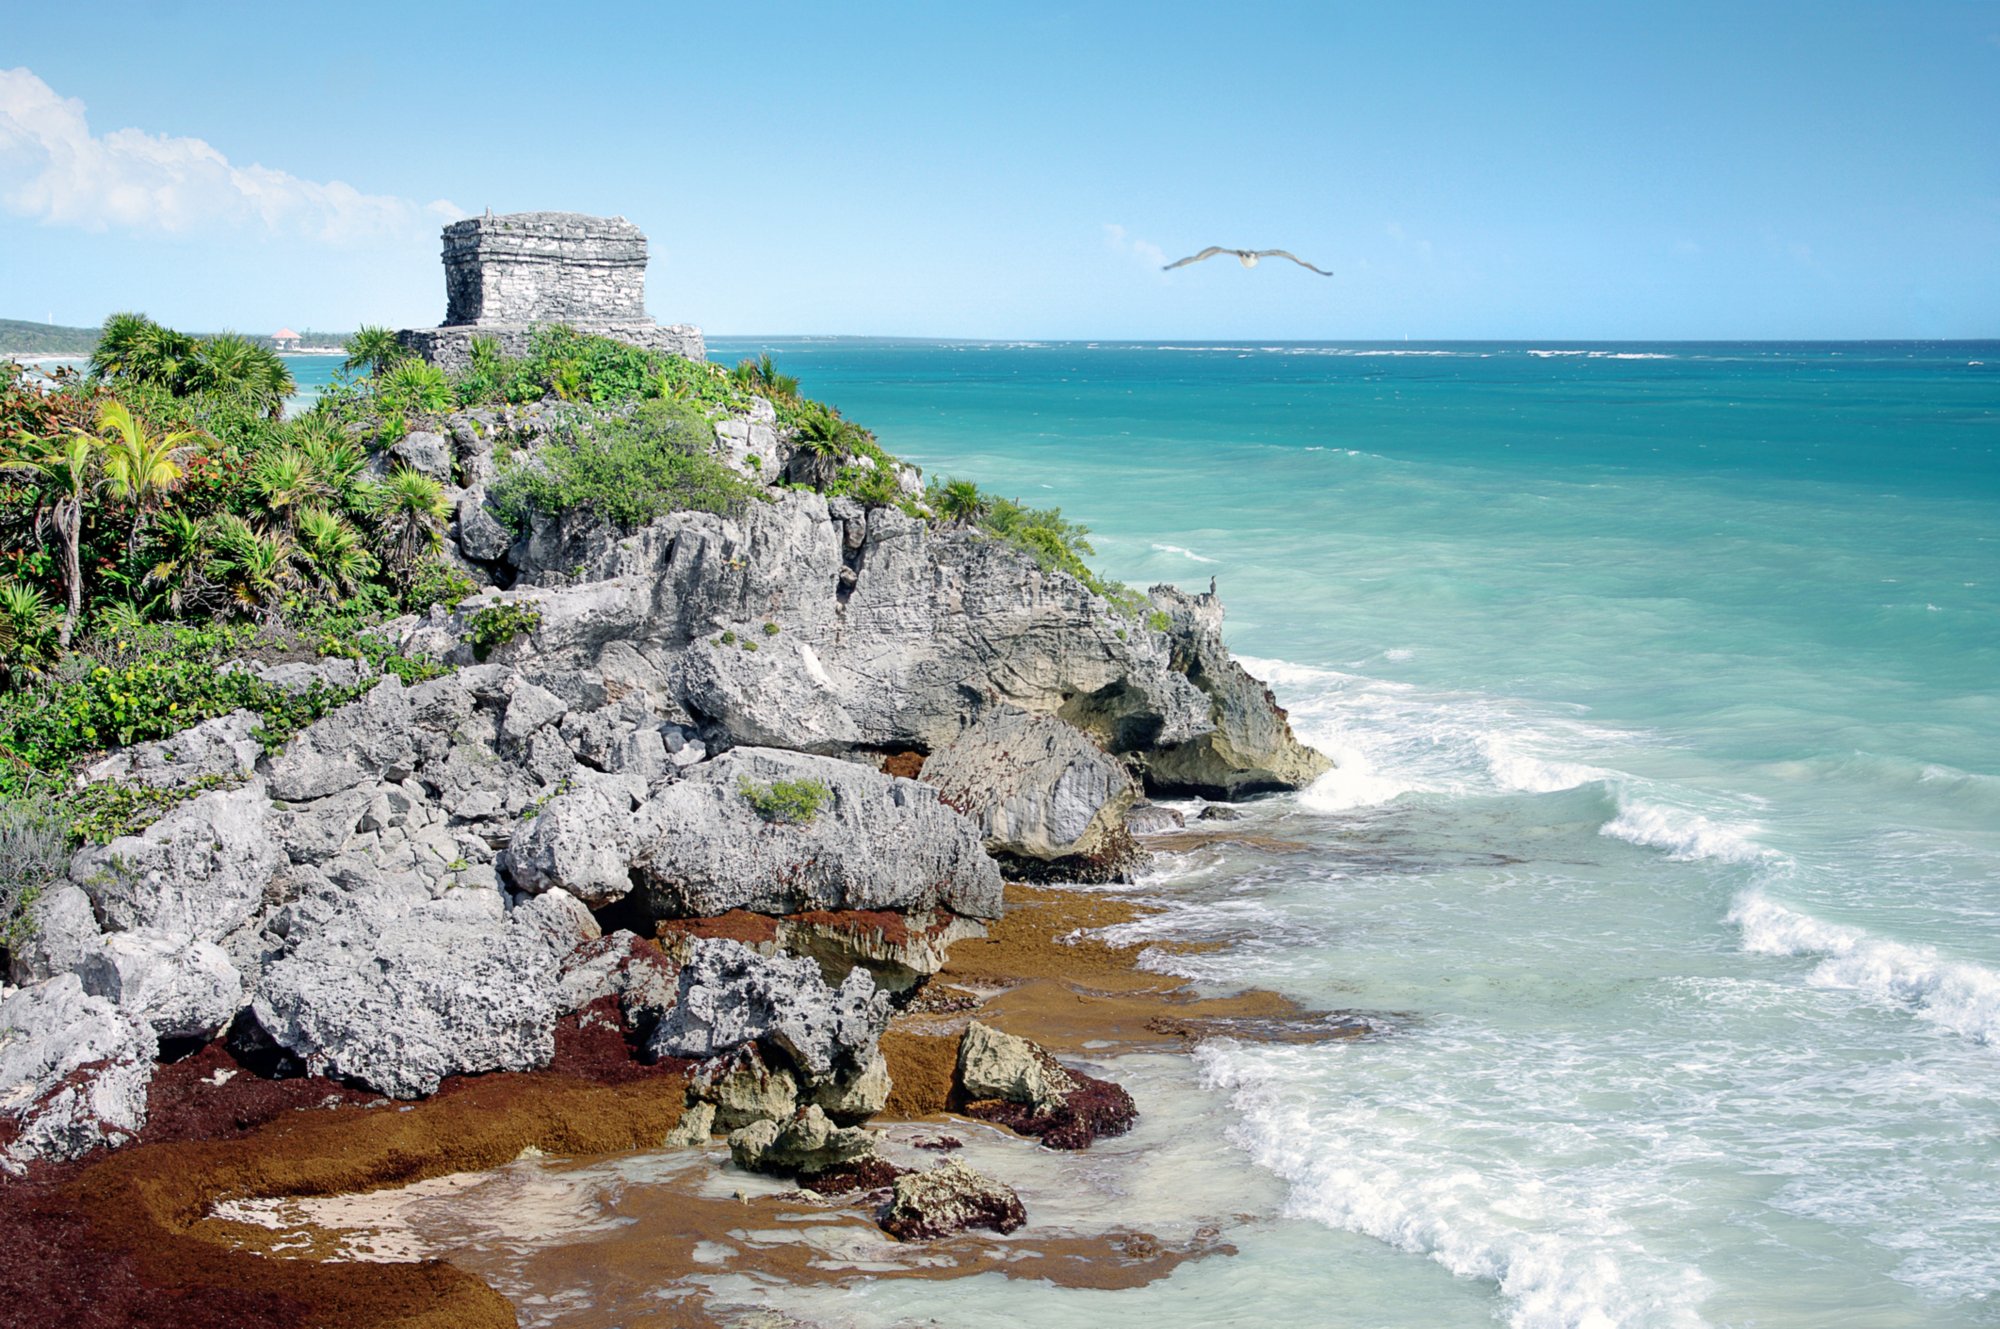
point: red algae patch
(131, 1238)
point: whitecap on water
(1954, 994)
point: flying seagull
(1248, 257)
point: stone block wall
(450, 348)
(544, 267)
(506, 275)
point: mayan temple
(506, 275)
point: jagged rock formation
(1048, 800)
(506, 275)
(73, 1073)
(415, 886)
(950, 1198)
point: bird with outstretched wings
(1248, 258)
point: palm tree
(374, 349)
(134, 347)
(66, 469)
(331, 551)
(238, 366)
(762, 377)
(140, 465)
(410, 513)
(960, 502)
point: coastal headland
(743, 792)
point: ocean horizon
(1663, 846)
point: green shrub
(414, 387)
(437, 584)
(34, 855)
(627, 469)
(155, 680)
(770, 629)
(786, 802)
(496, 625)
(1159, 621)
(100, 813)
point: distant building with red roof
(286, 339)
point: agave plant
(331, 552)
(255, 569)
(409, 511)
(141, 466)
(116, 619)
(373, 349)
(761, 376)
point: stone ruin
(505, 276)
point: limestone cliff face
(416, 887)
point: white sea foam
(1352, 783)
(1388, 739)
(1687, 835)
(1183, 552)
(1954, 994)
(1562, 1258)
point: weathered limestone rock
(398, 995)
(479, 533)
(996, 1065)
(581, 841)
(697, 1123)
(1249, 747)
(181, 987)
(60, 934)
(899, 949)
(73, 1072)
(806, 1143)
(741, 1088)
(1037, 787)
(729, 996)
(367, 741)
(225, 748)
(624, 966)
(421, 450)
(201, 869)
(1152, 819)
(1017, 1084)
(853, 1100)
(877, 843)
(950, 1198)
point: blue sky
(1586, 171)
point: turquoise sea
(1664, 848)
(1663, 853)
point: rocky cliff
(711, 716)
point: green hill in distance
(21, 337)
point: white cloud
(54, 169)
(1145, 251)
